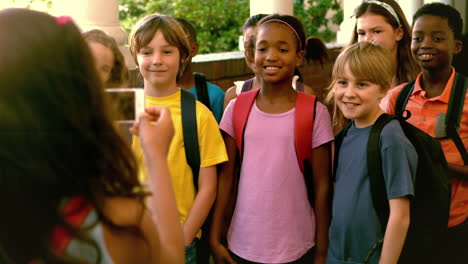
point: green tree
(318, 16)
(218, 22)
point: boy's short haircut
(189, 30)
(147, 27)
(453, 17)
(363, 60)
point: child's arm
(202, 204)
(321, 173)
(460, 169)
(225, 187)
(397, 226)
(165, 239)
(230, 94)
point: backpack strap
(247, 86)
(190, 133)
(402, 100)
(202, 89)
(240, 115)
(304, 116)
(454, 113)
(338, 141)
(75, 211)
(375, 171)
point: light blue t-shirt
(216, 95)
(355, 226)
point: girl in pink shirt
(273, 221)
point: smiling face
(375, 29)
(104, 60)
(276, 54)
(357, 99)
(159, 62)
(433, 44)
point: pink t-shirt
(273, 221)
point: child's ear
(458, 47)
(399, 33)
(299, 58)
(194, 50)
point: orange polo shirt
(424, 116)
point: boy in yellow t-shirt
(161, 51)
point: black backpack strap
(338, 140)
(454, 113)
(375, 171)
(247, 86)
(402, 100)
(202, 89)
(190, 132)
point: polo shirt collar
(444, 97)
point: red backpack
(75, 211)
(303, 129)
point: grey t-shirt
(355, 226)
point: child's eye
(361, 33)
(438, 39)
(362, 84)
(417, 39)
(167, 51)
(284, 50)
(261, 49)
(342, 82)
(377, 31)
(145, 52)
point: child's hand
(155, 129)
(221, 255)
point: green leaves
(218, 22)
(319, 17)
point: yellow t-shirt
(212, 149)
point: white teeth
(426, 56)
(271, 68)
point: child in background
(273, 221)
(161, 51)
(249, 28)
(109, 61)
(59, 145)
(361, 77)
(436, 38)
(382, 22)
(187, 82)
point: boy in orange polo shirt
(436, 38)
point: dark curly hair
(453, 17)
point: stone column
(448, 2)
(96, 14)
(409, 8)
(347, 26)
(284, 7)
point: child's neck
(276, 98)
(188, 80)
(371, 118)
(160, 90)
(434, 81)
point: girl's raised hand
(155, 129)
